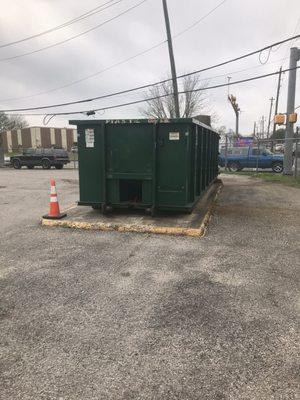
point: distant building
(35, 137)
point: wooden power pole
(270, 116)
(172, 59)
(277, 99)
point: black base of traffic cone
(60, 216)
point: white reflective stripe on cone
(53, 190)
(53, 199)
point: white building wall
(19, 136)
(64, 142)
(36, 138)
(9, 141)
(52, 136)
(33, 138)
(75, 139)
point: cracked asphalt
(104, 315)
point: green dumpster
(148, 164)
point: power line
(89, 76)
(75, 36)
(243, 56)
(144, 52)
(203, 79)
(81, 17)
(166, 80)
(163, 95)
(294, 33)
(199, 20)
(151, 84)
(121, 62)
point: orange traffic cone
(54, 212)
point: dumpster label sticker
(89, 138)
(174, 135)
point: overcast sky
(233, 29)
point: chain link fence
(257, 157)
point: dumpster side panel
(217, 156)
(91, 163)
(199, 160)
(192, 166)
(204, 159)
(129, 162)
(129, 149)
(173, 146)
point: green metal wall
(168, 165)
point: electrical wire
(147, 85)
(157, 83)
(203, 79)
(75, 36)
(294, 33)
(89, 76)
(81, 17)
(47, 118)
(118, 63)
(164, 95)
(267, 58)
(295, 30)
(199, 20)
(288, 48)
(242, 57)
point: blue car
(251, 157)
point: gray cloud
(235, 28)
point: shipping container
(149, 164)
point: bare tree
(8, 123)
(161, 103)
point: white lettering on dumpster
(174, 135)
(89, 137)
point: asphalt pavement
(107, 315)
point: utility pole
(262, 124)
(172, 60)
(236, 109)
(277, 99)
(289, 132)
(296, 153)
(270, 116)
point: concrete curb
(160, 230)
(209, 213)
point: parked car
(6, 161)
(46, 158)
(251, 157)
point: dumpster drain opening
(131, 190)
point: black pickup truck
(45, 158)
